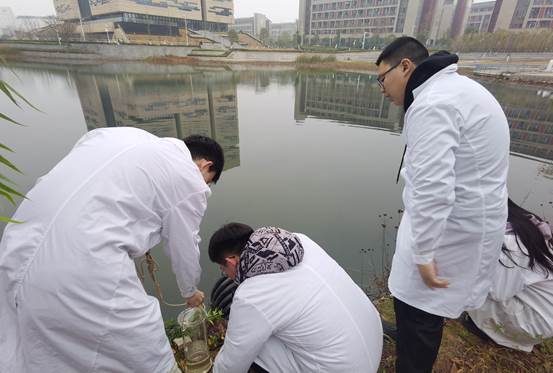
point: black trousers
(256, 369)
(419, 335)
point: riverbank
(461, 351)
(516, 67)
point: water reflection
(349, 98)
(530, 114)
(166, 105)
(355, 99)
(177, 105)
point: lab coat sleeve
(509, 278)
(180, 232)
(432, 139)
(247, 332)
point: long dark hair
(540, 251)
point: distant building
(351, 20)
(443, 19)
(480, 16)
(153, 17)
(7, 20)
(251, 25)
(522, 14)
(280, 28)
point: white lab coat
(518, 312)
(311, 318)
(455, 194)
(71, 298)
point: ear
(207, 164)
(407, 66)
(204, 164)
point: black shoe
(470, 326)
(389, 329)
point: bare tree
(63, 30)
(233, 36)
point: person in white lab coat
(295, 309)
(71, 298)
(518, 312)
(455, 195)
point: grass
(314, 59)
(463, 352)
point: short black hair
(403, 47)
(202, 147)
(230, 239)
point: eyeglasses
(380, 78)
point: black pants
(419, 335)
(256, 369)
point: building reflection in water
(347, 98)
(530, 114)
(174, 105)
(356, 99)
(178, 105)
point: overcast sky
(276, 10)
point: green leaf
(2, 177)
(10, 190)
(5, 117)
(4, 87)
(9, 164)
(10, 88)
(8, 197)
(2, 146)
(8, 220)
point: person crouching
(295, 309)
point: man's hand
(429, 273)
(196, 299)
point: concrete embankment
(88, 52)
(522, 67)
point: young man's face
(393, 79)
(230, 266)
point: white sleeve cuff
(188, 293)
(423, 259)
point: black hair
(403, 47)
(230, 239)
(202, 147)
(540, 251)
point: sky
(276, 10)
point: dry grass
(316, 65)
(463, 352)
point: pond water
(312, 152)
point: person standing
(71, 297)
(455, 195)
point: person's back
(317, 312)
(71, 259)
(518, 312)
